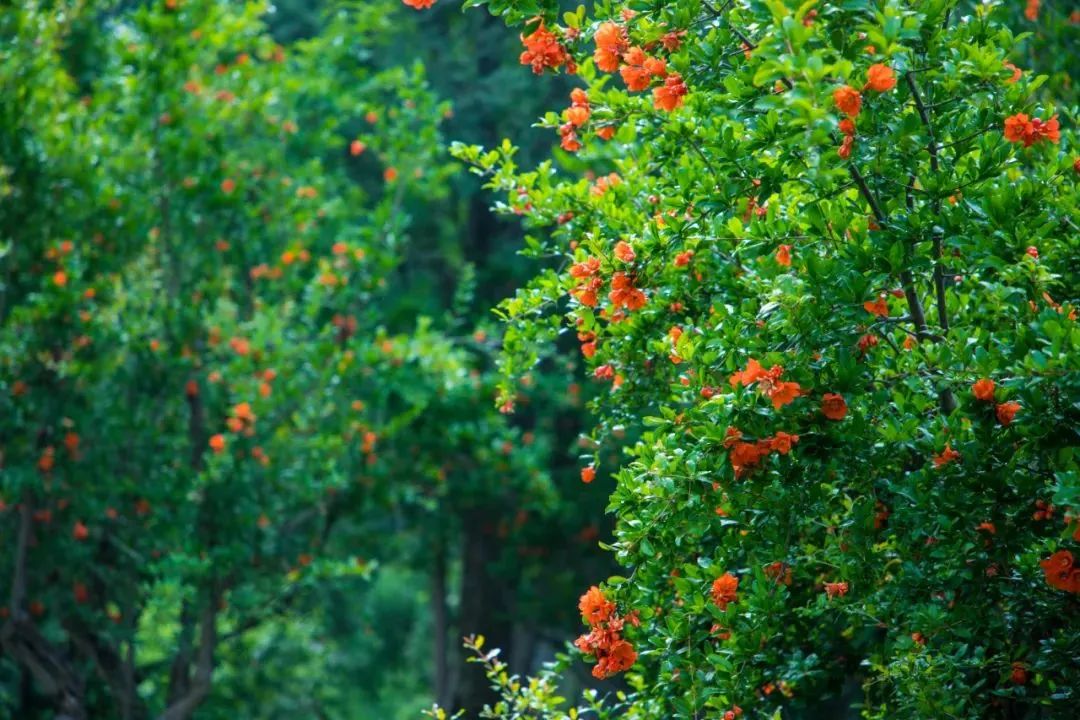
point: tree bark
(486, 605)
(440, 622)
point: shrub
(824, 259)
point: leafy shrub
(824, 258)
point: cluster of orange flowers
(745, 456)
(586, 271)
(637, 68)
(1021, 128)
(576, 116)
(241, 419)
(1061, 573)
(779, 392)
(836, 589)
(879, 78)
(611, 42)
(543, 50)
(604, 641)
(623, 293)
(983, 389)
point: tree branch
(948, 402)
(185, 706)
(22, 547)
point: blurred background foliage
(467, 521)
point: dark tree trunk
(440, 626)
(487, 604)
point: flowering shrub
(203, 422)
(823, 257)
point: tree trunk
(440, 628)
(487, 605)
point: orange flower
(620, 657)
(228, 185)
(624, 294)
(1060, 572)
(724, 590)
(624, 252)
(217, 443)
(1021, 128)
(585, 269)
(833, 406)
(782, 442)
(745, 455)
(60, 278)
(844, 151)
(878, 307)
(80, 531)
(947, 456)
(848, 100)
(880, 78)
(836, 589)
(866, 342)
(672, 40)
(47, 460)
(783, 255)
(732, 436)
(578, 112)
(586, 292)
(242, 417)
(588, 474)
(847, 126)
(606, 133)
(419, 4)
(1006, 412)
(779, 571)
(240, 345)
(1031, 11)
(1016, 73)
(669, 96)
(753, 372)
(611, 43)
(543, 50)
(983, 389)
(1019, 675)
(633, 72)
(1016, 127)
(577, 116)
(595, 608)
(783, 393)
(569, 139)
(657, 67)
(683, 259)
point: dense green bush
(824, 256)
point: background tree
(237, 464)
